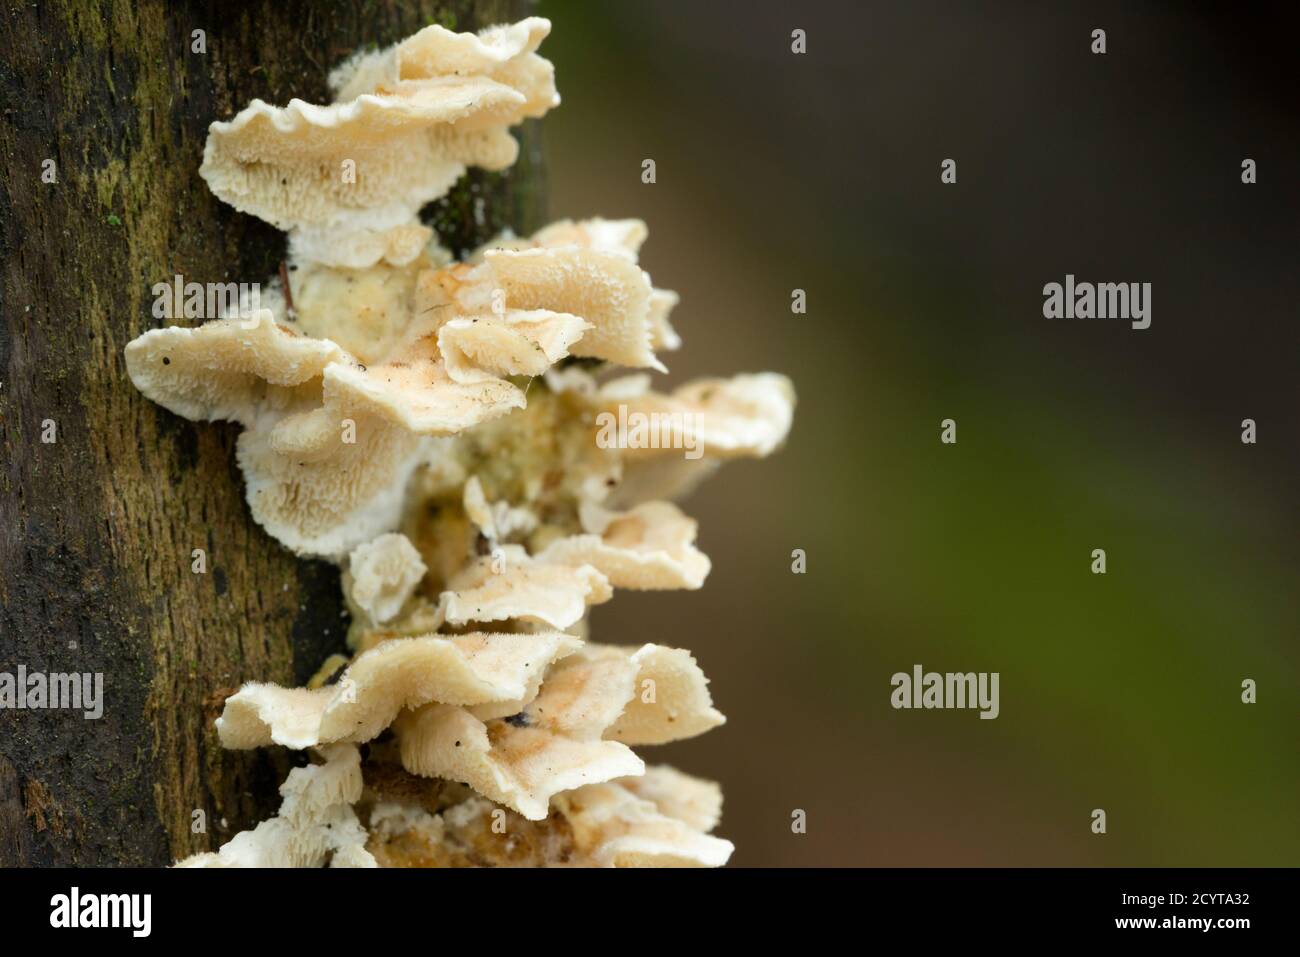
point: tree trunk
(105, 495)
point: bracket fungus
(316, 825)
(347, 180)
(419, 421)
(382, 574)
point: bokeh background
(821, 172)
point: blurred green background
(821, 172)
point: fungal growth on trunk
(451, 434)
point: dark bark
(98, 527)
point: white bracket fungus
(512, 585)
(652, 546)
(472, 669)
(414, 420)
(382, 574)
(575, 732)
(316, 824)
(347, 180)
(622, 828)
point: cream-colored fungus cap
(744, 416)
(648, 547)
(691, 800)
(382, 574)
(521, 342)
(506, 52)
(226, 369)
(400, 673)
(591, 705)
(619, 828)
(608, 290)
(512, 585)
(348, 179)
(621, 237)
(316, 824)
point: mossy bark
(103, 496)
